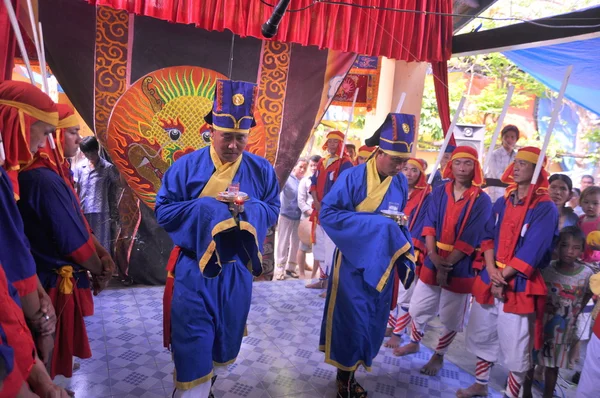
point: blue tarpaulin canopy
(549, 63)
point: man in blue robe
(370, 247)
(218, 250)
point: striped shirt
(93, 184)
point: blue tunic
(54, 225)
(369, 248)
(18, 263)
(213, 274)
(443, 220)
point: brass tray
(400, 218)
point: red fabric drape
(7, 44)
(400, 35)
(440, 82)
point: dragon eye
(174, 133)
(206, 136)
(174, 128)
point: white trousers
(490, 330)
(200, 391)
(427, 301)
(287, 242)
(323, 250)
(399, 317)
(588, 383)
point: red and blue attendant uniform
(17, 349)
(329, 168)
(61, 240)
(524, 234)
(456, 224)
(21, 105)
(416, 209)
(210, 272)
(361, 283)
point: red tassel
(168, 296)
(394, 302)
(540, 305)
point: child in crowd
(567, 280)
(590, 220)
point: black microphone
(269, 28)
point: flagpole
(511, 90)
(15, 26)
(447, 138)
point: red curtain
(440, 82)
(401, 35)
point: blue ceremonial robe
(369, 248)
(213, 273)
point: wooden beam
(529, 35)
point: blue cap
(233, 107)
(395, 136)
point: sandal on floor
(292, 274)
(350, 389)
(280, 277)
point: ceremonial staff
(511, 90)
(553, 119)
(447, 138)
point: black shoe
(576, 377)
(350, 389)
(212, 383)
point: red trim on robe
(464, 247)
(455, 284)
(84, 252)
(486, 245)
(428, 231)
(27, 285)
(18, 337)
(596, 328)
(522, 267)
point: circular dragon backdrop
(161, 118)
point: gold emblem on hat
(406, 128)
(238, 99)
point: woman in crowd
(560, 190)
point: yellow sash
(222, 177)
(444, 246)
(66, 285)
(376, 189)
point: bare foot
(393, 342)
(410, 348)
(434, 365)
(474, 390)
(321, 284)
(323, 295)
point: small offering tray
(399, 217)
(228, 197)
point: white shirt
(499, 161)
(305, 199)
